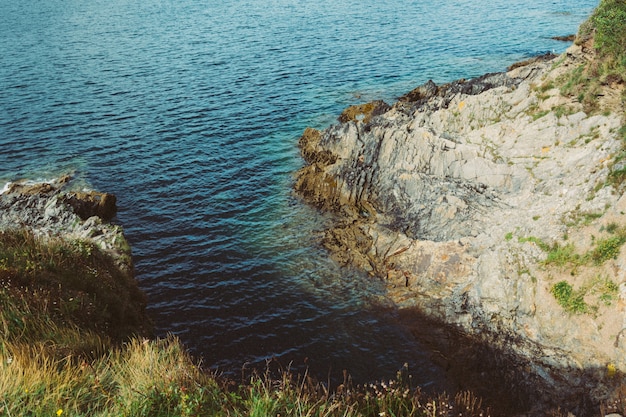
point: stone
(92, 203)
(451, 193)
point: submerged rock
(454, 194)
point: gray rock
(448, 196)
(50, 210)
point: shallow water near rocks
(190, 111)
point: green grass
(572, 301)
(562, 255)
(580, 218)
(71, 281)
(606, 289)
(607, 28)
(609, 22)
(158, 379)
(540, 243)
(563, 110)
(608, 248)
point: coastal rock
(48, 209)
(89, 278)
(455, 194)
(92, 203)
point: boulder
(53, 209)
(92, 203)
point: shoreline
(433, 191)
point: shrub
(572, 301)
(607, 249)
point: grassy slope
(599, 85)
(605, 33)
(71, 343)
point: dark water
(189, 111)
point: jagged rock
(363, 112)
(437, 195)
(48, 209)
(92, 203)
(423, 92)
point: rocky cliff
(477, 202)
(52, 209)
(73, 265)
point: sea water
(190, 111)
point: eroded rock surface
(51, 209)
(449, 196)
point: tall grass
(606, 28)
(158, 379)
(69, 281)
(71, 344)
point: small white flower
(9, 360)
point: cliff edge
(494, 205)
(63, 263)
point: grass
(65, 352)
(540, 243)
(563, 110)
(561, 255)
(573, 301)
(69, 281)
(580, 218)
(607, 248)
(617, 176)
(158, 379)
(607, 29)
(535, 113)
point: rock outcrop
(455, 196)
(97, 290)
(50, 209)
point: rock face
(48, 209)
(452, 196)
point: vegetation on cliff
(604, 33)
(451, 169)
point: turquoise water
(189, 111)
